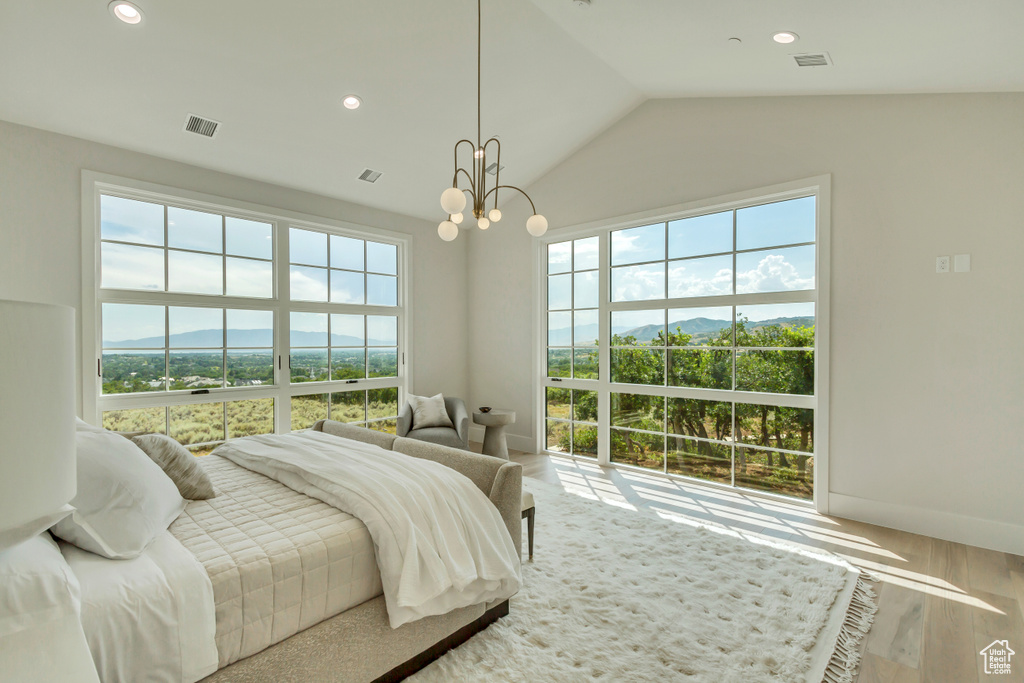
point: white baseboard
(516, 442)
(983, 533)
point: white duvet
(440, 542)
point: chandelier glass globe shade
(483, 223)
(536, 225)
(453, 200)
(494, 215)
(456, 218)
(447, 231)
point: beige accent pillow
(178, 464)
(429, 412)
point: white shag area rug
(623, 595)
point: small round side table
(494, 436)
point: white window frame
(94, 403)
(820, 188)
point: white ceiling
(681, 48)
(555, 75)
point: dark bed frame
(408, 668)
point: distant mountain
(800, 321)
(239, 339)
(699, 328)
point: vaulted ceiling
(554, 75)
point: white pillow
(41, 635)
(31, 529)
(429, 412)
(123, 501)
(36, 586)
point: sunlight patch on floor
(836, 533)
(858, 546)
(675, 502)
(579, 485)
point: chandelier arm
(472, 185)
(481, 165)
(468, 142)
(456, 154)
(497, 172)
(476, 183)
(512, 187)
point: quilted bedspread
(279, 560)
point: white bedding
(41, 636)
(440, 543)
(150, 618)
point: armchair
(446, 436)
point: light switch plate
(941, 264)
(962, 263)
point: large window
(214, 321)
(573, 300)
(706, 329)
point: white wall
(927, 403)
(40, 236)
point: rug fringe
(842, 667)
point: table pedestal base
(494, 441)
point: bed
(266, 583)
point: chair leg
(529, 529)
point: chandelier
(453, 200)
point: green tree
(771, 358)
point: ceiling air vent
(813, 59)
(369, 175)
(200, 126)
(494, 168)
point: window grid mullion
(167, 348)
(224, 268)
(166, 254)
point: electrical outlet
(941, 264)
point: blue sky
(690, 271)
(710, 234)
(131, 221)
(768, 225)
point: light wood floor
(939, 603)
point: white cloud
(683, 283)
(306, 288)
(773, 274)
(196, 273)
(250, 278)
(639, 283)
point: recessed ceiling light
(785, 37)
(126, 11)
(351, 101)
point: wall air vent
(369, 175)
(494, 168)
(813, 59)
(200, 126)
